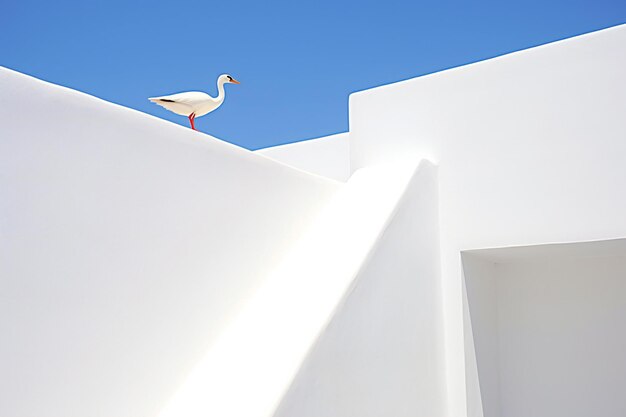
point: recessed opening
(545, 330)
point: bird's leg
(192, 117)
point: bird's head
(227, 79)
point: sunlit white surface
(150, 270)
(328, 156)
(392, 311)
(258, 356)
(530, 148)
(127, 243)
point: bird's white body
(195, 103)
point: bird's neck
(220, 91)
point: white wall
(530, 148)
(328, 156)
(381, 354)
(481, 335)
(553, 341)
(127, 243)
(257, 358)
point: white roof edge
(446, 71)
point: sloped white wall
(382, 352)
(257, 358)
(127, 243)
(328, 156)
(530, 147)
(548, 326)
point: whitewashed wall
(328, 156)
(381, 353)
(548, 326)
(131, 248)
(530, 148)
(367, 267)
(127, 244)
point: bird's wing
(190, 98)
(182, 103)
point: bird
(195, 103)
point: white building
(460, 252)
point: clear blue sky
(297, 61)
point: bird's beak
(234, 81)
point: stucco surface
(328, 156)
(548, 330)
(530, 148)
(392, 311)
(147, 269)
(127, 244)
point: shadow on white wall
(548, 326)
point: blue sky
(297, 61)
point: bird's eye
(229, 77)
